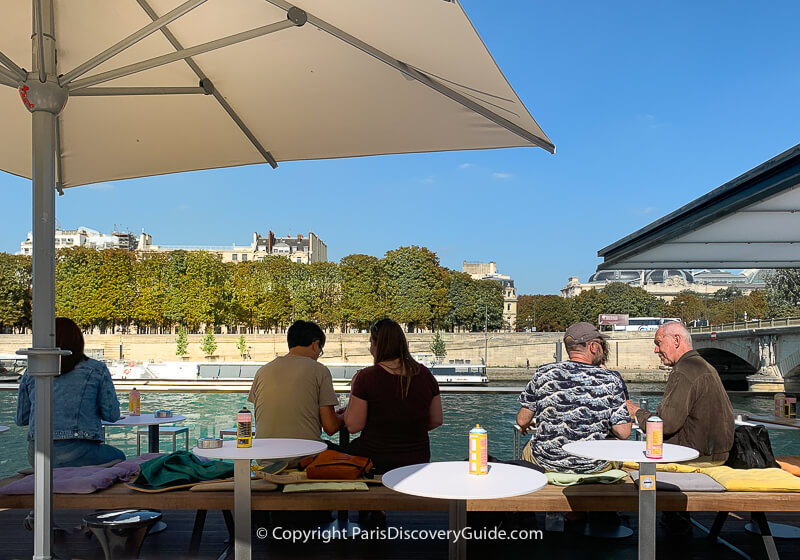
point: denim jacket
(81, 399)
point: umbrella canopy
(134, 88)
(357, 78)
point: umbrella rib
(8, 79)
(421, 77)
(130, 40)
(37, 7)
(18, 72)
(59, 175)
(101, 91)
(180, 55)
(217, 95)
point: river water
(208, 413)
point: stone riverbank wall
(629, 351)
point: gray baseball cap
(583, 332)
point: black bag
(751, 449)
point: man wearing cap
(574, 400)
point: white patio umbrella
(163, 86)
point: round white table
(451, 481)
(3, 429)
(634, 451)
(151, 422)
(267, 448)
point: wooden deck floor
(173, 544)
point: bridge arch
(733, 369)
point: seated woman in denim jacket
(83, 395)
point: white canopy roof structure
(752, 221)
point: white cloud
(427, 180)
(647, 210)
(465, 166)
(502, 175)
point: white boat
(455, 373)
(12, 366)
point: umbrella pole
(43, 359)
(44, 98)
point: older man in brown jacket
(696, 410)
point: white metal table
(267, 448)
(451, 481)
(3, 429)
(151, 422)
(633, 451)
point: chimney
(299, 236)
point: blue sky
(650, 105)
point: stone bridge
(756, 359)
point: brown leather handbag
(332, 464)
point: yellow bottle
(478, 451)
(134, 403)
(244, 428)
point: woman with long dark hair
(83, 395)
(394, 403)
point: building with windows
(488, 271)
(667, 282)
(85, 237)
(300, 249)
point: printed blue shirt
(572, 401)
(81, 399)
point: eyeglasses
(321, 351)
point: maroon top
(396, 432)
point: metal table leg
(152, 447)
(647, 511)
(241, 508)
(458, 521)
(152, 438)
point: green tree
(364, 290)
(181, 342)
(783, 292)
(241, 345)
(150, 286)
(416, 285)
(547, 313)
(687, 306)
(77, 281)
(589, 305)
(489, 296)
(114, 296)
(209, 343)
(438, 346)
(462, 294)
(196, 288)
(636, 302)
(15, 292)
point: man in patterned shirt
(574, 400)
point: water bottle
(244, 428)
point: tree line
(781, 298)
(156, 292)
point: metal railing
(745, 325)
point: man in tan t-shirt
(293, 394)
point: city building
(300, 249)
(488, 271)
(85, 237)
(666, 283)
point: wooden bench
(622, 496)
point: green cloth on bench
(325, 487)
(568, 479)
(178, 469)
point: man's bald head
(674, 328)
(672, 341)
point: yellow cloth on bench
(665, 467)
(325, 487)
(754, 480)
